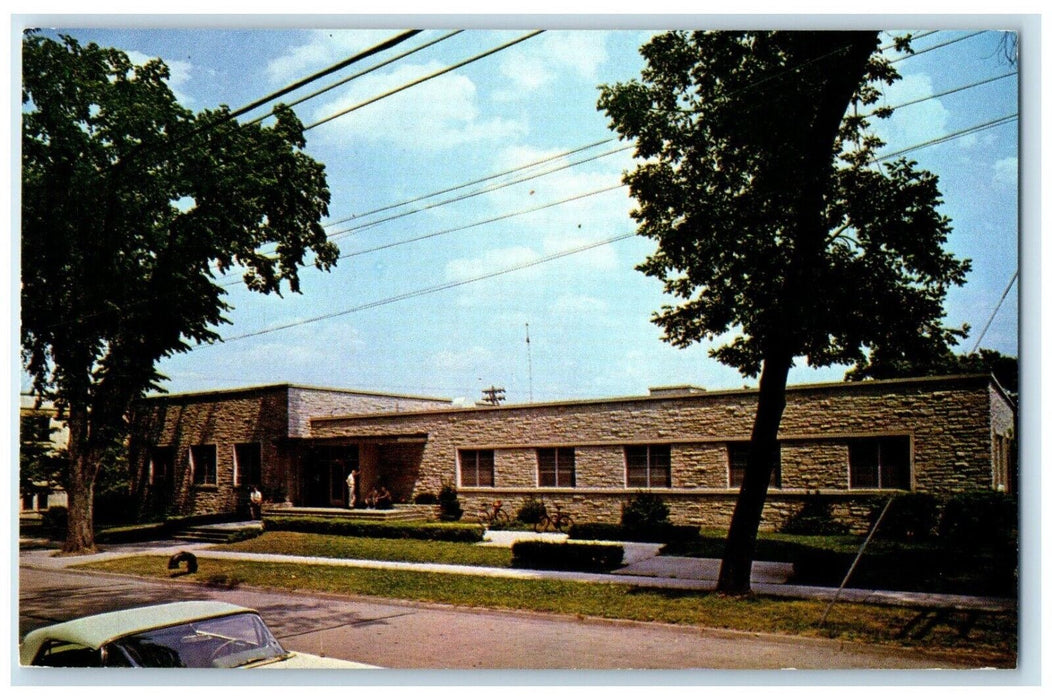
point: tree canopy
(778, 231)
(131, 207)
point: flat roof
(262, 388)
(693, 395)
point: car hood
(297, 659)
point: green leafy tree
(890, 363)
(776, 230)
(131, 207)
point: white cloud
(179, 73)
(1006, 171)
(323, 48)
(462, 360)
(913, 124)
(538, 64)
(489, 261)
(438, 114)
(577, 305)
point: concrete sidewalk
(643, 568)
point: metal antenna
(529, 360)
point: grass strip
(372, 548)
(991, 642)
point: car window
(61, 654)
(222, 642)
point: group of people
(379, 497)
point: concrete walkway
(643, 567)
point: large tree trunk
(815, 151)
(736, 569)
(80, 533)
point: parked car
(194, 634)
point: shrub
(55, 520)
(643, 512)
(563, 556)
(910, 518)
(980, 519)
(425, 499)
(532, 511)
(662, 532)
(596, 531)
(445, 532)
(815, 517)
(449, 503)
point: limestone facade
(853, 442)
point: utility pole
(493, 396)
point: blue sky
(588, 311)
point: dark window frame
(562, 472)
(163, 456)
(649, 461)
(204, 459)
(737, 454)
(883, 463)
(256, 478)
(476, 467)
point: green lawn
(343, 547)
(992, 642)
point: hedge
(566, 556)
(442, 531)
(664, 533)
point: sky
(527, 281)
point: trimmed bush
(596, 531)
(911, 517)
(445, 532)
(566, 556)
(665, 533)
(532, 511)
(815, 517)
(980, 520)
(449, 503)
(643, 512)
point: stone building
(849, 441)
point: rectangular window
(203, 462)
(476, 467)
(648, 466)
(738, 455)
(162, 465)
(248, 463)
(555, 467)
(879, 463)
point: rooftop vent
(676, 390)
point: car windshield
(221, 642)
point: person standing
(352, 488)
(255, 503)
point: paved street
(415, 636)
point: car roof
(95, 630)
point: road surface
(403, 635)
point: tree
(131, 207)
(775, 229)
(1004, 368)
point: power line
(491, 188)
(949, 137)
(359, 74)
(425, 78)
(429, 290)
(478, 181)
(476, 224)
(1015, 276)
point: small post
(850, 571)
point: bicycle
(494, 516)
(560, 521)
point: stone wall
(221, 419)
(306, 403)
(948, 422)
